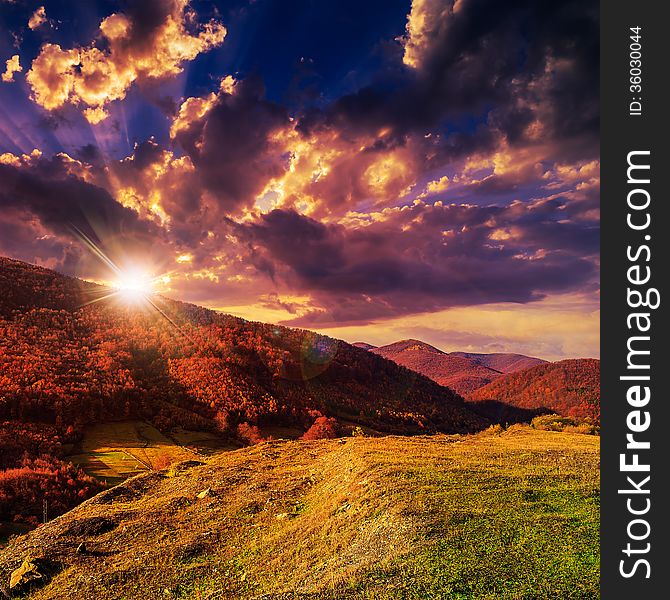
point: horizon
(371, 172)
(354, 341)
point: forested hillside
(568, 387)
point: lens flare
(134, 285)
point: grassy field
(511, 516)
(117, 450)
(201, 442)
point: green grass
(518, 524)
(511, 516)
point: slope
(70, 358)
(104, 359)
(482, 516)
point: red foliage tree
(249, 434)
(24, 489)
(322, 428)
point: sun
(134, 285)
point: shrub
(249, 434)
(566, 424)
(323, 428)
(492, 430)
(162, 461)
(585, 428)
(552, 422)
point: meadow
(502, 514)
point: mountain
(506, 387)
(463, 372)
(483, 516)
(364, 345)
(462, 375)
(568, 387)
(505, 362)
(70, 356)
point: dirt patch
(130, 490)
(185, 466)
(90, 527)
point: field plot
(201, 442)
(118, 450)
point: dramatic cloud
(12, 66)
(65, 208)
(525, 69)
(327, 174)
(230, 137)
(424, 257)
(164, 189)
(150, 41)
(33, 242)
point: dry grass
(511, 515)
(201, 442)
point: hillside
(505, 362)
(364, 345)
(463, 375)
(70, 358)
(568, 387)
(344, 519)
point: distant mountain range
(463, 372)
(505, 362)
(505, 387)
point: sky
(375, 171)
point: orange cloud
(424, 17)
(38, 18)
(194, 109)
(328, 173)
(25, 159)
(91, 78)
(436, 186)
(156, 184)
(583, 173)
(13, 66)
